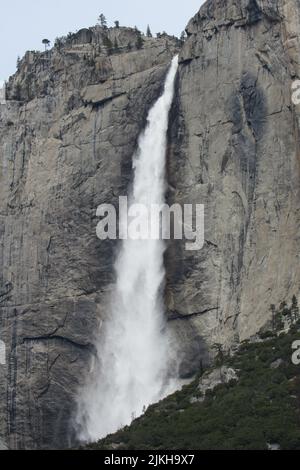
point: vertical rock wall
(234, 148)
(67, 135)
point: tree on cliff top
(139, 41)
(149, 34)
(46, 43)
(102, 20)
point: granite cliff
(68, 132)
(234, 146)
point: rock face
(67, 133)
(234, 147)
(211, 379)
(222, 375)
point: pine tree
(102, 20)
(58, 44)
(286, 313)
(294, 309)
(182, 36)
(273, 311)
(277, 319)
(139, 41)
(219, 353)
(117, 24)
(46, 43)
(149, 34)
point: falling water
(134, 349)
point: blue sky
(24, 23)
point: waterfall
(134, 348)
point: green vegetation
(46, 43)
(261, 408)
(149, 34)
(102, 21)
(285, 317)
(139, 41)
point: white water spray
(134, 350)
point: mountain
(68, 131)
